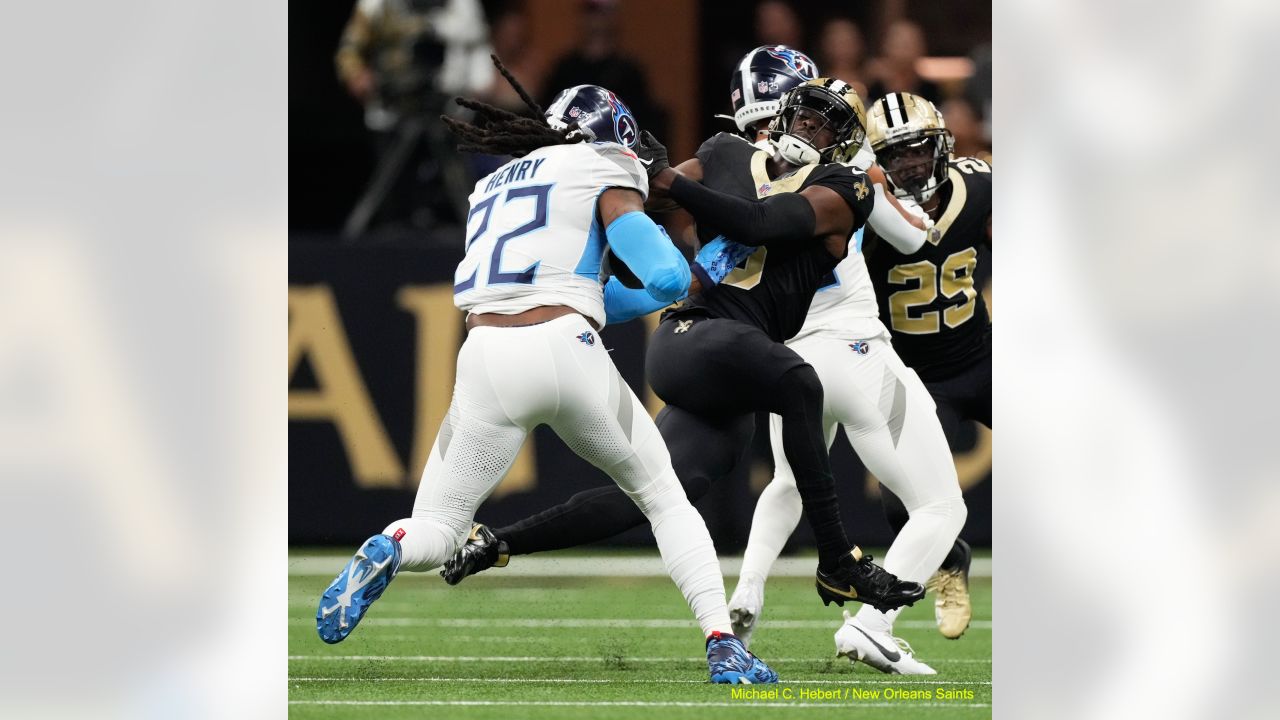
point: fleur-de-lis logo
(861, 190)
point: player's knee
(951, 510)
(959, 512)
(800, 384)
(782, 487)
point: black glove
(652, 154)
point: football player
(529, 282)
(885, 410)
(720, 357)
(938, 319)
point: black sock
(799, 402)
(958, 558)
(587, 517)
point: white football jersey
(848, 305)
(533, 235)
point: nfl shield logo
(574, 111)
(762, 86)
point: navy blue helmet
(762, 77)
(597, 112)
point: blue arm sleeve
(647, 250)
(622, 303)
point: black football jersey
(928, 299)
(773, 287)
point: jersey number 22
(496, 276)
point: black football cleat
(482, 551)
(857, 578)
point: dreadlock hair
(495, 131)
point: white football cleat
(745, 607)
(880, 650)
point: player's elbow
(668, 282)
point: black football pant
(714, 374)
(964, 396)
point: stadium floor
(605, 646)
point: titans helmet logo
(624, 126)
(797, 61)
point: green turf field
(604, 647)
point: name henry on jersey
(515, 172)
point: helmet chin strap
(797, 151)
(769, 146)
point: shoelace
(903, 645)
(880, 578)
(949, 590)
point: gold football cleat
(951, 607)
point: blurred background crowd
(370, 162)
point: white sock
(777, 513)
(424, 543)
(875, 620)
(690, 558)
(918, 550)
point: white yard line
(571, 681)
(552, 566)
(616, 623)
(639, 703)
(561, 658)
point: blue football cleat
(730, 662)
(356, 587)
(761, 673)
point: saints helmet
(841, 108)
(912, 144)
(760, 80)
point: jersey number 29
(956, 281)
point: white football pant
(892, 424)
(557, 373)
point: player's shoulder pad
(619, 167)
(720, 139)
(976, 175)
(849, 182)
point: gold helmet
(912, 144)
(841, 112)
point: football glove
(719, 257)
(652, 154)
